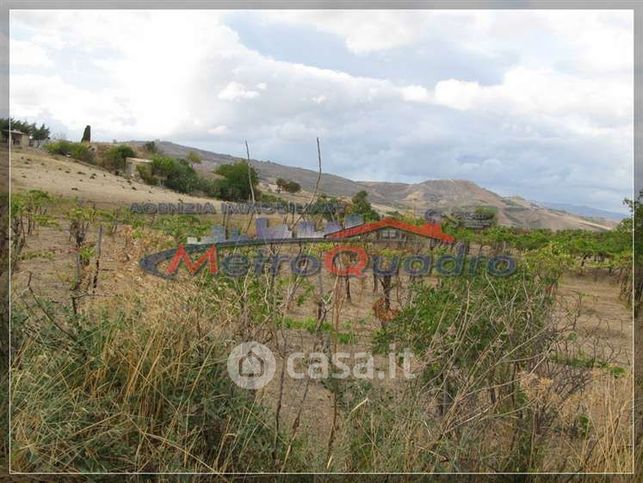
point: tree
(287, 185)
(193, 158)
(361, 206)
(178, 174)
(37, 133)
(87, 134)
(239, 181)
(16, 124)
(150, 147)
(115, 157)
(41, 133)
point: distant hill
(585, 211)
(441, 194)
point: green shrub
(178, 174)
(151, 147)
(61, 146)
(268, 198)
(210, 187)
(114, 158)
(80, 151)
(236, 182)
(180, 226)
(193, 158)
(145, 172)
(479, 323)
(287, 185)
(361, 206)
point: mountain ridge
(445, 194)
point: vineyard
(117, 370)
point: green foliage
(361, 206)
(406, 218)
(239, 181)
(311, 325)
(320, 206)
(474, 318)
(633, 223)
(37, 133)
(145, 172)
(584, 424)
(577, 243)
(582, 360)
(86, 253)
(46, 254)
(111, 391)
(80, 151)
(180, 226)
(114, 158)
(33, 206)
(193, 158)
(178, 174)
(288, 185)
(61, 146)
(27, 211)
(269, 198)
(549, 262)
(41, 133)
(34, 199)
(488, 212)
(85, 214)
(151, 147)
(80, 219)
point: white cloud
(235, 91)
(415, 93)
(29, 54)
(364, 31)
(458, 94)
(531, 92)
(598, 40)
(37, 97)
(187, 75)
(218, 130)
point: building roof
(428, 230)
(13, 131)
(137, 160)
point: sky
(534, 103)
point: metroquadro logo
(389, 232)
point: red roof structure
(428, 230)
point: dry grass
(136, 381)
